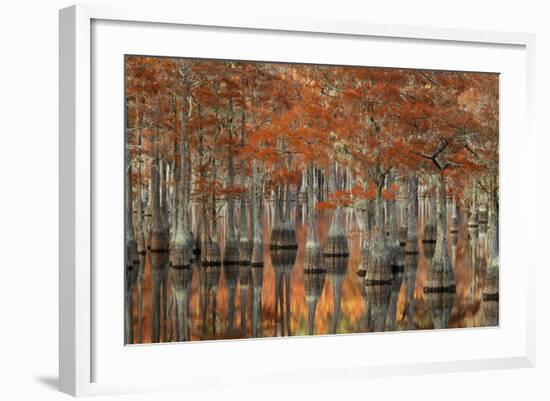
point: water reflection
(340, 278)
(245, 277)
(314, 282)
(378, 280)
(211, 264)
(336, 270)
(181, 283)
(282, 261)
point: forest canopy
(370, 120)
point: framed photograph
(266, 199)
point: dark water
(467, 250)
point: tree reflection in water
(349, 303)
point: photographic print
(276, 199)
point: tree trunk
(131, 257)
(140, 231)
(490, 294)
(314, 267)
(439, 288)
(257, 258)
(159, 241)
(397, 264)
(411, 251)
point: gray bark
(411, 251)
(159, 241)
(131, 259)
(439, 288)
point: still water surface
(467, 253)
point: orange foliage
(326, 205)
(285, 116)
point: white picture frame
(80, 343)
